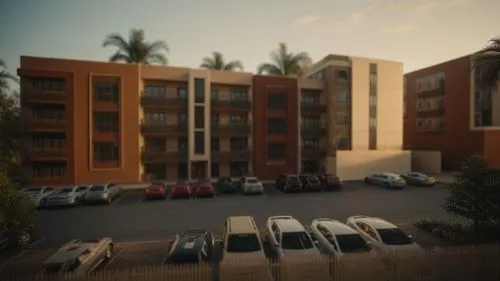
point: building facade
(446, 112)
(97, 121)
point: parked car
(11, 238)
(251, 185)
(79, 257)
(288, 239)
(204, 188)
(191, 246)
(387, 180)
(330, 181)
(156, 190)
(383, 236)
(66, 196)
(310, 183)
(38, 194)
(102, 193)
(180, 189)
(336, 238)
(288, 183)
(227, 185)
(418, 179)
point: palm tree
(217, 62)
(285, 63)
(487, 61)
(5, 77)
(136, 49)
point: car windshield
(239, 243)
(204, 182)
(183, 258)
(293, 179)
(394, 236)
(352, 243)
(418, 175)
(313, 179)
(97, 188)
(65, 190)
(252, 181)
(54, 268)
(33, 189)
(296, 241)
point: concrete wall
(355, 165)
(427, 162)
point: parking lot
(131, 219)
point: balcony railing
(312, 130)
(31, 96)
(436, 112)
(161, 128)
(312, 107)
(439, 91)
(231, 104)
(228, 156)
(312, 153)
(45, 153)
(231, 129)
(163, 101)
(38, 124)
(150, 155)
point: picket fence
(458, 263)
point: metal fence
(463, 263)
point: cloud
(424, 6)
(352, 20)
(305, 20)
(400, 29)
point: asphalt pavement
(132, 218)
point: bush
(457, 233)
(16, 210)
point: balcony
(44, 125)
(231, 156)
(43, 153)
(312, 153)
(160, 156)
(312, 107)
(32, 96)
(439, 91)
(163, 102)
(231, 104)
(310, 130)
(436, 112)
(161, 128)
(231, 129)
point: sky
(418, 33)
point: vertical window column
(372, 136)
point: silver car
(38, 194)
(251, 185)
(387, 180)
(102, 193)
(66, 196)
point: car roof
(289, 225)
(193, 231)
(189, 244)
(241, 225)
(375, 222)
(335, 226)
(251, 178)
(390, 174)
(73, 249)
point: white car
(251, 185)
(66, 196)
(383, 236)
(289, 239)
(38, 194)
(387, 180)
(336, 238)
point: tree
(5, 77)
(16, 210)
(217, 62)
(473, 195)
(487, 61)
(136, 49)
(284, 63)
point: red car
(204, 188)
(157, 190)
(181, 189)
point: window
(46, 84)
(373, 122)
(311, 99)
(352, 243)
(276, 150)
(238, 95)
(215, 170)
(215, 144)
(199, 117)
(296, 241)
(373, 80)
(342, 96)
(341, 120)
(155, 145)
(49, 112)
(310, 122)
(49, 169)
(373, 100)
(182, 144)
(343, 143)
(318, 75)
(238, 169)
(215, 118)
(343, 75)
(314, 143)
(106, 151)
(182, 93)
(106, 121)
(238, 144)
(106, 91)
(199, 143)
(276, 126)
(49, 142)
(155, 117)
(182, 171)
(182, 118)
(276, 101)
(394, 236)
(214, 94)
(199, 90)
(155, 91)
(238, 120)
(243, 243)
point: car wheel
(77, 202)
(386, 185)
(109, 252)
(109, 200)
(23, 239)
(43, 203)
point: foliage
(5, 77)
(487, 61)
(10, 127)
(218, 62)
(16, 210)
(136, 49)
(457, 233)
(284, 63)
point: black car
(11, 238)
(419, 179)
(227, 185)
(191, 246)
(310, 183)
(330, 182)
(288, 183)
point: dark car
(227, 185)
(288, 183)
(190, 246)
(418, 179)
(310, 183)
(12, 238)
(330, 181)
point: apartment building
(98, 121)
(446, 112)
